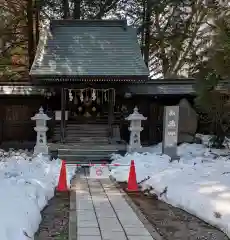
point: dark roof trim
(171, 81)
(152, 88)
(96, 22)
(21, 90)
(63, 78)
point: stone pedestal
(170, 131)
(41, 129)
(135, 130)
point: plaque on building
(170, 131)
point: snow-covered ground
(26, 185)
(199, 183)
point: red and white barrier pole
(100, 164)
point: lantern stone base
(131, 148)
(41, 149)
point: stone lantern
(41, 144)
(135, 130)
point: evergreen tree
(211, 99)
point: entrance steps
(89, 134)
(84, 143)
(84, 153)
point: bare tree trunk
(30, 32)
(37, 20)
(147, 32)
(143, 28)
(65, 9)
(77, 9)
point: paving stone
(99, 197)
(88, 231)
(89, 238)
(103, 207)
(113, 235)
(85, 206)
(85, 211)
(103, 214)
(124, 215)
(105, 203)
(140, 238)
(110, 226)
(121, 208)
(110, 222)
(87, 224)
(132, 224)
(86, 217)
(134, 231)
(84, 197)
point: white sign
(99, 172)
(58, 115)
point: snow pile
(199, 183)
(26, 183)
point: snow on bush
(26, 183)
(199, 183)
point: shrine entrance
(90, 105)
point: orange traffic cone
(132, 181)
(62, 182)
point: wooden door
(15, 122)
(155, 123)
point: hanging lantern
(70, 95)
(81, 96)
(93, 95)
(105, 97)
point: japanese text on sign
(170, 137)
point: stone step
(82, 135)
(85, 126)
(86, 159)
(82, 147)
(89, 143)
(88, 138)
(82, 131)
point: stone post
(41, 144)
(135, 130)
(170, 131)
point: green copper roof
(89, 48)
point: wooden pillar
(63, 108)
(111, 112)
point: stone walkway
(102, 213)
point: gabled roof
(89, 50)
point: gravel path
(55, 219)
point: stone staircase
(87, 134)
(81, 153)
(84, 143)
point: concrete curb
(72, 211)
(138, 212)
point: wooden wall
(16, 113)
(15, 117)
